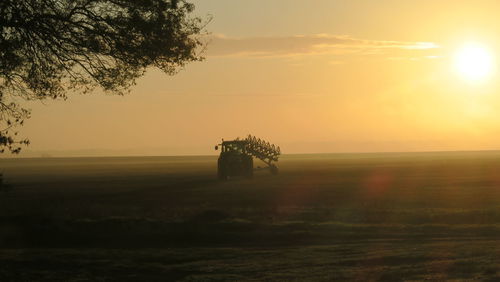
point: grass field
(395, 216)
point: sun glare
(474, 62)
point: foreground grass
(362, 261)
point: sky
(315, 76)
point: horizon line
(287, 154)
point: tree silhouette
(51, 47)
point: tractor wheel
(221, 171)
(274, 169)
(249, 167)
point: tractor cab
(234, 147)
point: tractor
(236, 157)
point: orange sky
(310, 76)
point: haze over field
(320, 76)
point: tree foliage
(51, 47)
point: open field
(391, 216)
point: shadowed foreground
(345, 216)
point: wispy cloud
(222, 46)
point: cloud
(318, 44)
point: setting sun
(474, 62)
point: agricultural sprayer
(236, 157)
